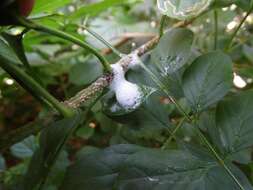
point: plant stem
(219, 159)
(215, 28)
(32, 86)
(32, 25)
(167, 142)
(187, 117)
(230, 44)
(101, 39)
(162, 23)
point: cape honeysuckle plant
(101, 113)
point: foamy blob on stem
(135, 61)
(128, 94)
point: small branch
(162, 23)
(215, 29)
(81, 97)
(89, 92)
(105, 80)
(230, 44)
(137, 35)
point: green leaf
(7, 53)
(47, 6)
(85, 151)
(207, 80)
(51, 141)
(127, 167)
(85, 73)
(173, 51)
(24, 149)
(234, 121)
(16, 44)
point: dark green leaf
(7, 53)
(85, 73)
(15, 43)
(207, 80)
(51, 141)
(127, 167)
(234, 121)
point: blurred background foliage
(64, 69)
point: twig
(215, 29)
(89, 92)
(162, 23)
(137, 35)
(230, 44)
(105, 80)
(81, 97)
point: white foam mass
(135, 61)
(127, 94)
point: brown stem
(105, 80)
(81, 97)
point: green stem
(101, 39)
(230, 44)
(215, 28)
(203, 138)
(219, 159)
(162, 23)
(167, 142)
(34, 87)
(32, 25)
